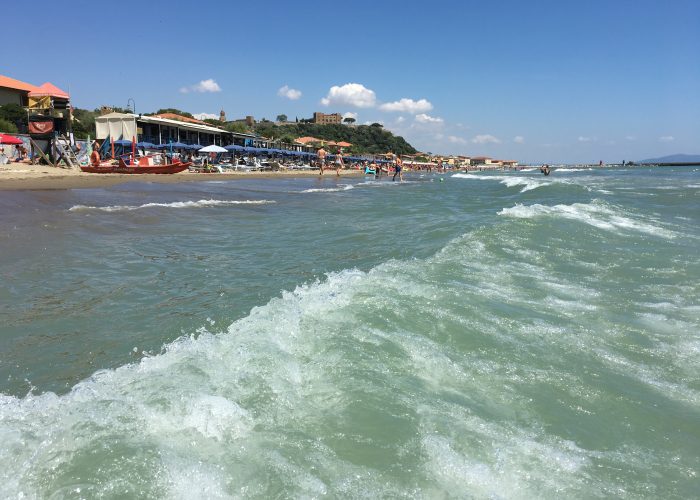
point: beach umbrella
(195, 147)
(213, 149)
(235, 147)
(122, 142)
(10, 140)
(144, 144)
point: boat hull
(171, 168)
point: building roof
(174, 116)
(177, 123)
(343, 144)
(11, 83)
(306, 140)
(49, 89)
(481, 157)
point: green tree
(281, 118)
(84, 123)
(349, 119)
(213, 121)
(7, 126)
(236, 127)
(14, 113)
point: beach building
(14, 91)
(324, 119)
(167, 128)
(481, 160)
(509, 163)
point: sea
(460, 335)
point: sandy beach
(23, 176)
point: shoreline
(25, 177)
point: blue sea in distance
(480, 335)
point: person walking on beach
(338, 163)
(398, 166)
(321, 159)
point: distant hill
(677, 158)
(364, 138)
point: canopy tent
(213, 149)
(118, 125)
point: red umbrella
(10, 139)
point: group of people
(545, 169)
(339, 163)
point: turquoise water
(493, 335)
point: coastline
(22, 176)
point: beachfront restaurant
(125, 126)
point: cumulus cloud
(203, 86)
(519, 139)
(456, 140)
(485, 139)
(667, 138)
(204, 116)
(423, 118)
(291, 94)
(350, 94)
(350, 114)
(407, 106)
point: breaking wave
(597, 214)
(176, 204)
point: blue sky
(539, 81)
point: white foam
(528, 183)
(345, 187)
(597, 214)
(175, 204)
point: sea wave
(175, 204)
(345, 187)
(413, 363)
(528, 183)
(598, 214)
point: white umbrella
(213, 149)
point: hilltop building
(324, 119)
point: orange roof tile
(49, 89)
(174, 116)
(11, 83)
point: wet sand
(22, 176)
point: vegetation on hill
(364, 138)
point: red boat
(145, 165)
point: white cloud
(667, 138)
(486, 139)
(350, 94)
(350, 114)
(204, 86)
(519, 139)
(630, 138)
(585, 139)
(291, 94)
(407, 106)
(400, 119)
(204, 116)
(456, 140)
(423, 118)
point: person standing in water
(321, 159)
(338, 163)
(398, 166)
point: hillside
(677, 158)
(364, 138)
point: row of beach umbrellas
(234, 148)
